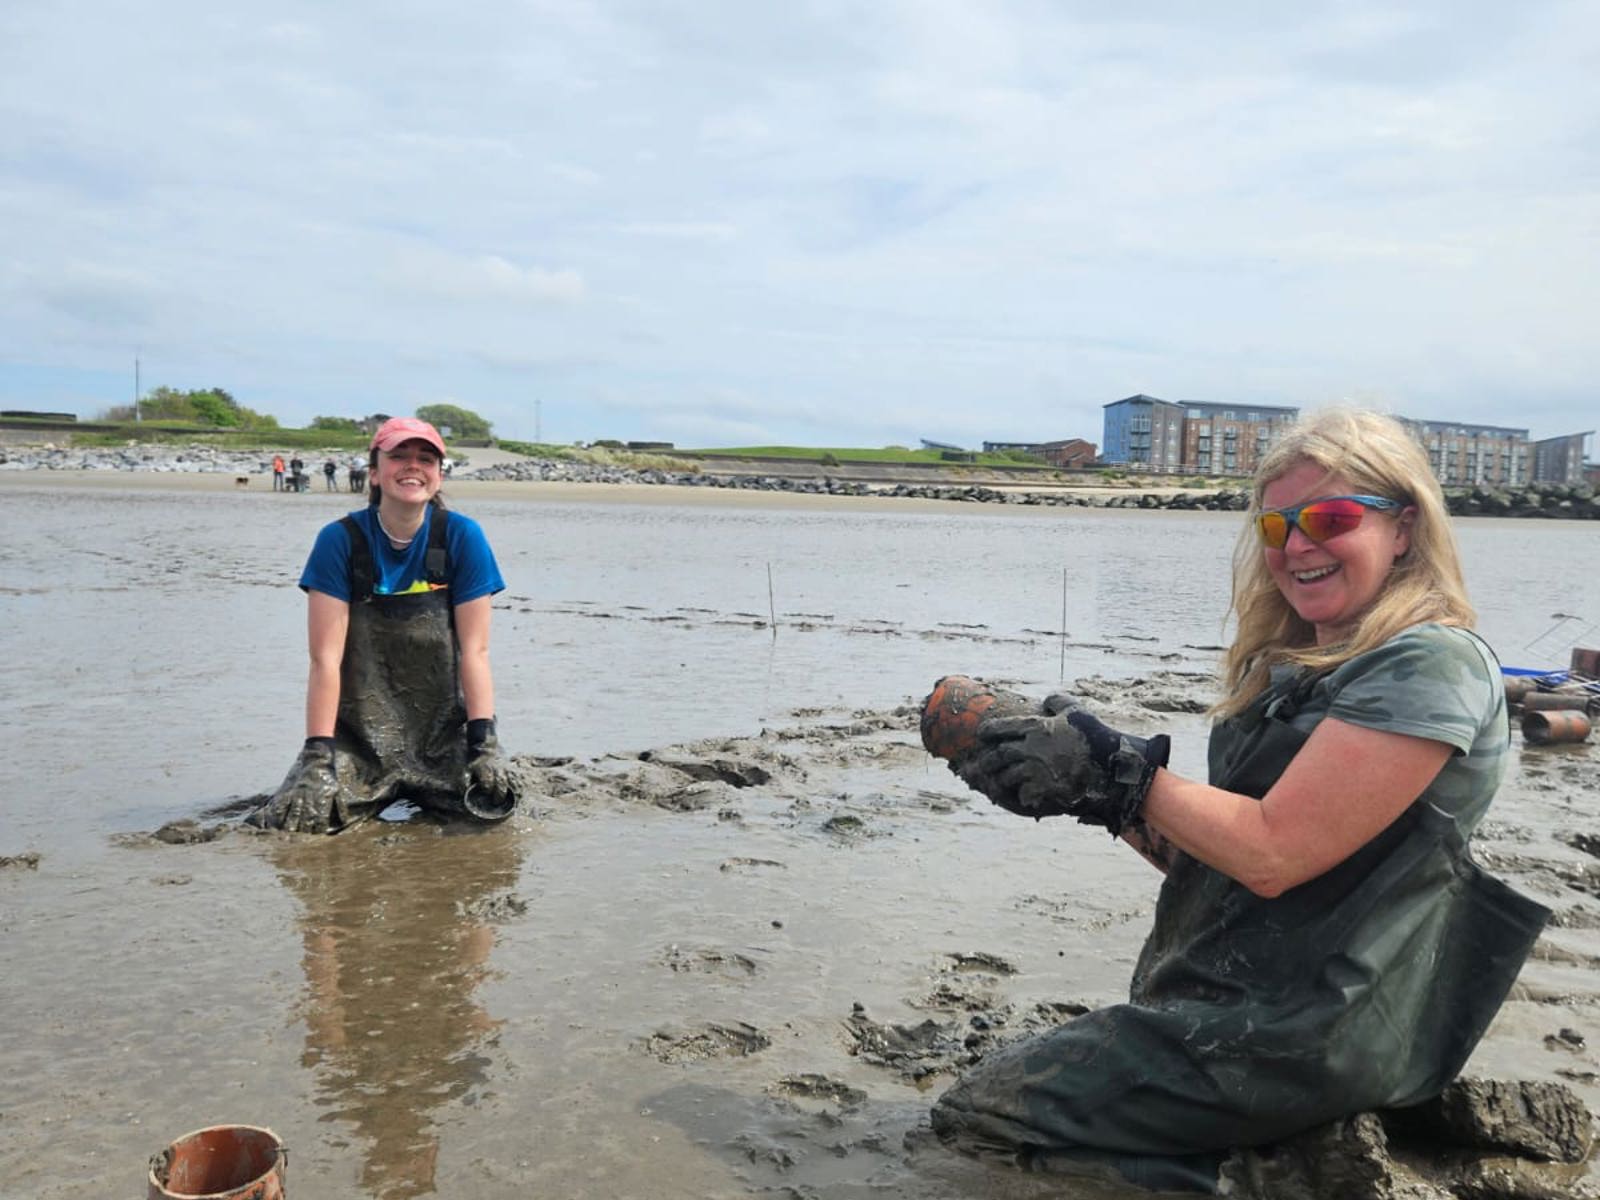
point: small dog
(241, 481)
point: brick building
(1068, 454)
(1150, 434)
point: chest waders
(401, 729)
(1252, 1019)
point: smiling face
(408, 474)
(1331, 584)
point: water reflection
(397, 933)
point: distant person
(355, 473)
(1323, 943)
(400, 699)
(330, 474)
(297, 474)
(277, 473)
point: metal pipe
(1557, 701)
(1555, 725)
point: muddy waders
(401, 732)
(1253, 1019)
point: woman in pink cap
(400, 698)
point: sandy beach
(746, 929)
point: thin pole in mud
(1061, 672)
(772, 607)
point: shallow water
(420, 1011)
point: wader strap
(361, 567)
(363, 573)
(437, 566)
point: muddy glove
(1064, 762)
(491, 793)
(308, 799)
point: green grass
(108, 433)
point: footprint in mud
(28, 860)
(709, 1041)
(707, 960)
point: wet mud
(794, 1090)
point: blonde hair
(1374, 454)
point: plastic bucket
(1555, 725)
(235, 1162)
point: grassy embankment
(180, 433)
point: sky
(728, 223)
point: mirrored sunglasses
(1319, 520)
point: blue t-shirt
(473, 571)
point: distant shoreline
(465, 489)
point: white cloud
(820, 222)
(485, 278)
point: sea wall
(1577, 502)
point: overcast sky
(729, 222)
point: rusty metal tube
(1557, 701)
(1518, 687)
(1544, 728)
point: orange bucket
(1555, 725)
(220, 1162)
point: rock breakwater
(1549, 500)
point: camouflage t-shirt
(1432, 681)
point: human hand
(1064, 762)
(308, 799)
(492, 789)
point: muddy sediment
(1502, 1137)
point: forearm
(477, 683)
(322, 698)
(472, 639)
(1344, 787)
(1226, 831)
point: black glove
(308, 800)
(1064, 763)
(492, 790)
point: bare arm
(1347, 785)
(472, 635)
(327, 620)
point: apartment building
(1150, 434)
(1562, 459)
(1464, 455)
(1144, 433)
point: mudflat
(746, 930)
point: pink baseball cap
(406, 429)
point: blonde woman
(1323, 943)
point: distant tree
(207, 406)
(344, 424)
(462, 422)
